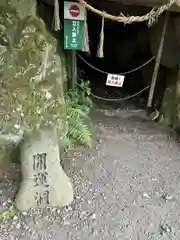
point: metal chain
(123, 73)
(104, 72)
(114, 99)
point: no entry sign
(74, 14)
(74, 11)
(115, 80)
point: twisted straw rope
(150, 17)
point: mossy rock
(168, 107)
(32, 76)
(32, 72)
(9, 152)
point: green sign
(73, 34)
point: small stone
(53, 209)
(58, 211)
(9, 201)
(48, 95)
(82, 214)
(18, 109)
(93, 216)
(18, 225)
(38, 110)
(15, 218)
(167, 197)
(17, 126)
(24, 213)
(26, 228)
(69, 208)
(146, 195)
(154, 179)
(165, 229)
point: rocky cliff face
(32, 73)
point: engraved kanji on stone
(44, 183)
(42, 198)
(39, 161)
(41, 179)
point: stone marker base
(44, 182)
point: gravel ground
(126, 188)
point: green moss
(32, 73)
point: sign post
(74, 14)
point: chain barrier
(151, 17)
(114, 99)
(104, 72)
(123, 73)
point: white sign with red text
(115, 80)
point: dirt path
(126, 188)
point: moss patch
(32, 71)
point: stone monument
(44, 182)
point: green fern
(79, 131)
(77, 109)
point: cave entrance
(126, 48)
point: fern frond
(67, 143)
(79, 131)
(77, 106)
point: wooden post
(74, 70)
(157, 63)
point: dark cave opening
(126, 47)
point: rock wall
(32, 73)
(169, 104)
(171, 50)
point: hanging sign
(115, 80)
(74, 16)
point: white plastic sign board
(115, 80)
(74, 11)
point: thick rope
(85, 47)
(100, 51)
(123, 73)
(56, 17)
(150, 17)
